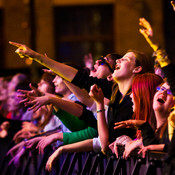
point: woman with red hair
(143, 90)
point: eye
(158, 88)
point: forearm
(102, 127)
(64, 71)
(88, 133)
(68, 106)
(81, 94)
(56, 136)
(86, 145)
(153, 44)
(160, 53)
(158, 147)
(136, 144)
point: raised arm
(147, 32)
(97, 94)
(64, 71)
(68, 106)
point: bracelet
(101, 110)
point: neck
(124, 86)
(66, 94)
(161, 118)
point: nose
(164, 91)
(97, 62)
(54, 80)
(118, 61)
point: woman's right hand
(129, 124)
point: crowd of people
(120, 100)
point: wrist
(155, 47)
(100, 110)
(100, 105)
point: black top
(117, 111)
(150, 138)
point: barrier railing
(86, 163)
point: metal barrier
(86, 163)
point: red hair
(143, 89)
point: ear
(137, 69)
(109, 77)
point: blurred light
(28, 61)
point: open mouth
(160, 100)
(94, 70)
(117, 67)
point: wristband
(101, 110)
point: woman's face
(124, 67)
(163, 99)
(60, 86)
(101, 70)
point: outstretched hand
(36, 102)
(146, 31)
(129, 124)
(49, 71)
(27, 95)
(88, 61)
(23, 50)
(44, 142)
(15, 149)
(52, 159)
(114, 149)
(32, 143)
(16, 159)
(22, 134)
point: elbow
(104, 147)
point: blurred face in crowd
(5, 125)
(13, 102)
(103, 67)
(163, 99)
(125, 66)
(16, 79)
(43, 86)
(60, 86)
(12, 84)
(3, 90)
